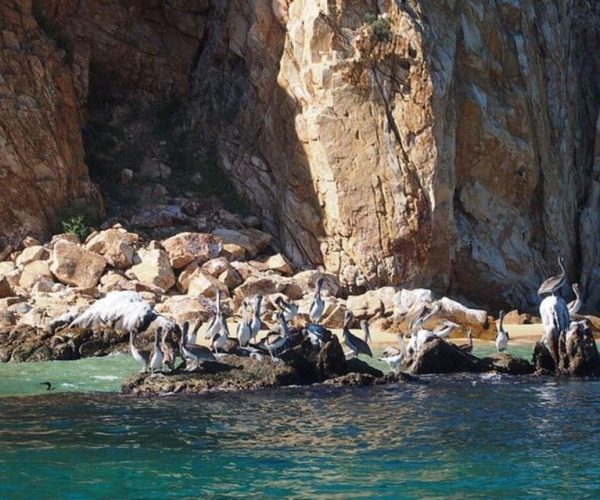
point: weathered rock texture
(450, 145)
(41, 154)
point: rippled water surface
(454, 436)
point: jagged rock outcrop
(446, 144)
(42, 165)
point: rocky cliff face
(445, 143)
(41, 153)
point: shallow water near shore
(460, 435)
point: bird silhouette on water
(48, 386)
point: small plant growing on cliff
(380, 27)
(76, 225)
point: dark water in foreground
(459, 436)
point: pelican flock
(128, 312)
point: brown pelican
(290, 310)
(425, 335)
(244, 328)
(418, 325)
(274, 342)
(256, 321)
(575, 305)
(468, 347)
(193, 353)
(555, 318)
(124, 310)
(366, 332)
(142, 357)
(357, 346)
(219, 341)
(317, 307)
(502, 337)
(554, 283)
(156, 360)
(215, 325)
(395, 357)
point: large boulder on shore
(154, 268)
(74, 265)
(184, 248)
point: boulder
(154, 268)
(516, 318)
(267, 285)
(245, 270)
(30, 241)
(33, 272)
(32, 253)
(506, 363)
(232, 252)
(184, 278)
(258, 239)
(116, 245)
(307, 280)
(276, 263)
(574, 354)
(184, 248)
(230, 278)
(215, 267)
(206, 285)
(68, 237)
(439, 356)
(370, 303)
(73, 265)
(185, 308)
(233, 237)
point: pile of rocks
(180, 276)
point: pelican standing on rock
(574, 305)
(502, 337)
(555, 318)
(424, 335)
(256, 321)
(317, 307)
(156, 360)
(364, 324)
(418, 325)
(142, 357)
(219, 341)
(215, 325)
(193, 353)
(357, 345)
(274, 342)
(244, 328)
(395, 357)
(554, 283)
(468, 347)
(289, 309)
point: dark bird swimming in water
(48, 386)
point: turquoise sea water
(460, 436)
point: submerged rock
(506, 363)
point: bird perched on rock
(317, 307)
(395, 357)
(357, 345)
(121, 310)
(502, 337)
(554, 283)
